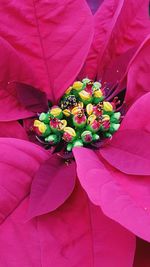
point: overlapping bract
(46, 47)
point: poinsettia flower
(56, 67)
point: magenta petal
(138, 78)
(52, 185)
(55, 43)
(31, 98)
(137, 115)
(12, 129)
(117, 68)
(131, 26)
(13, 67)
(10, 108)
(19, 162)
(128, 152)
(122, 197)
(79, 234)
(117, 31)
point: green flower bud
(96, 137)
(114, 127)
(87, 137)
(69, 147)
(53, 139)
(47, 132)
(44, 117)
(78, 143)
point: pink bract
(47, 45)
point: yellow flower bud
(91, 119)
(63, 124)
(66, 112)
(77, 85)
(80, 105)
(107, 106)
(42, 127)
(55, 111)
(97, 85)
(106, 118)
(98, 93)
(76, 110)
(37, 123)
(68, 90)
(70, 131)
(85, 95)
(89, 109)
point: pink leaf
(10, 108)
(54, 44)
(19, 162)
(138, 78)
(137, 116)
(131, 27)
(128, 152)
(79, 234)
(123, 198)
(52, 185)
(120, 26)
(31, 98)
(12, 129)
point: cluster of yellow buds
(83, 117)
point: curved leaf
(120, 26)
(52, 185)
(31, 98)
(79, 234)
(137, 116)
(138, 78)
(19, 162)
(128, 152)
(12, 129)
(123, 198)
(53, 37)
(10, 108)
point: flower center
(82, 118)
